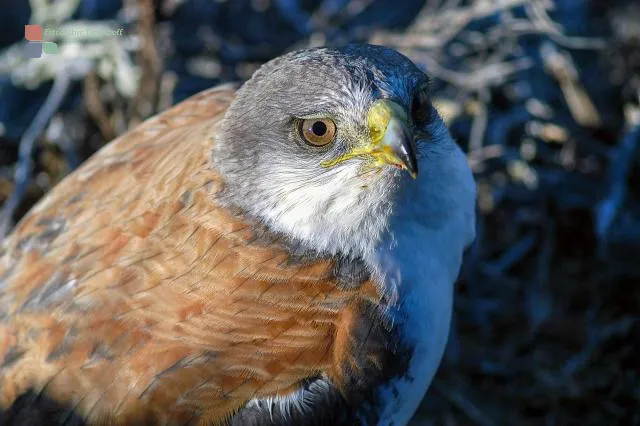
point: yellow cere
(377, 119)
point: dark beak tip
(407, 152)
(408, 158)
(412, 169)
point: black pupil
(319, 128)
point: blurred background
(543, 96)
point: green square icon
(50, 48)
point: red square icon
(33, 32)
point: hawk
(279, 254)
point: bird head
(319, 144)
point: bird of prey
(279, 254)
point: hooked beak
(396, 146)
(391, 142)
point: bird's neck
(418, 261)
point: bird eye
(421, 107)
(318, 131)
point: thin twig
(607, 209)
(95, 106)
(489, 75)
(145, 101)
(463, 403)
(22, 178)
(479, 124)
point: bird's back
(130, 295)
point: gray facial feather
(273, 175)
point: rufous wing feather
(131, 295)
